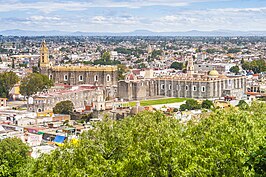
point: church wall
(105, 78)
(184, 88)
(124, 90)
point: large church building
(207, 85)
(76, 75)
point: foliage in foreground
(257, 161)
(151, 144)
(13, 156)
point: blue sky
(130, 15)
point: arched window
(203, 88)
(194, 88)
(95, 78)
(108, 78)
(80, 78)
(65, 77)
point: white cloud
(51, 6)
(123, 19)
(41, 18)
(114, 20)
(212, 19)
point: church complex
(192, 84)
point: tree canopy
(63, 107)
(7, 82)
(152, 144)
(156, 53)
(14, 154)
(34, 83)
(190, 105)
(207, 104)
(242, 105)
(257, 161)
(121, 70)
(257, 66)
(234, 69)
(177, 65)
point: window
(108, 78)
(170, 87)
(50, 76)
(203, 88)
(95, 78)
(80, 78)
(186, 87)
(65, 78)
(194, 88)
(162, 86)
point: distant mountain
(18, 32)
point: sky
(130, 15)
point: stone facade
(77, 75)
(183, 88)
(210, 85)
(80, 97)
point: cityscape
(133, 88)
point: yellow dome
(213, 73)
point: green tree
(242, 105)
(234, 69)
(190, 105)
(156, 53)
(35, 69)
(34, 83)
(242, 61)
(121, 69)
(177, 65)
(257, 66)
(233, 50)
(7, 82)
(183, 107)
(14, 154)
(207, 104)
(152, 144)
(257, 161)
(106, 56)
(63, 107)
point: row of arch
(81, 78)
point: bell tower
(44, 58)
(190, 66)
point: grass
(158, 101)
